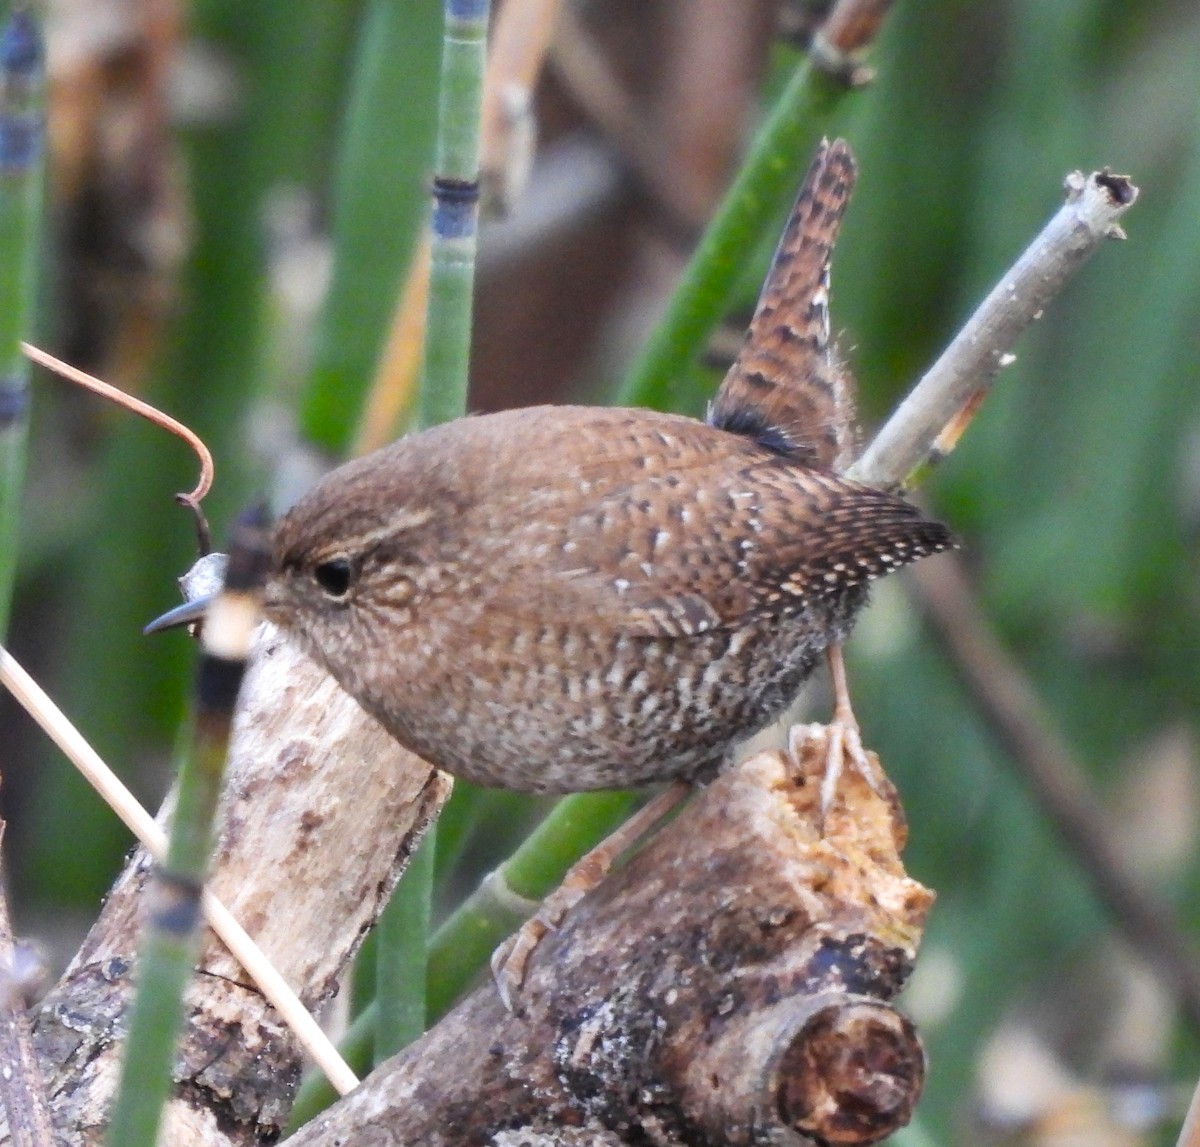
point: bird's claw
(510, 961)
(845, 742)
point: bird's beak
(186, 614)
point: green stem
(167, 956)
(401, 953)
(474, 816)
(172, 928)
(316, 1092)
(455, 214)
(384, 156)
(174, 916)
(22, 134)
(400, 964)
(759, 193)
(462, 945)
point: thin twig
(22, 1088)
(681, 202)
(924, 428)
(595, 86)
(1004, 697)
(983, 347)
(64, 734)
(151, 414)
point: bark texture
(730, 985)
(321, 811)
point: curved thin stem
(137, 406)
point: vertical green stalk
(401, 957)
(22, 136)
(173, 923)
(384, 143)
(169, 948)
(455, 214)
(769, 176)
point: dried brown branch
(732, 984)
(841, 43)
(1003, 695)
(517, 50)
(598, 90)
(681, 151)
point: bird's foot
(845, 742)
(510, 961)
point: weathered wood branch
(320, 814)
(732, 984)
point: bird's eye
(335, 576)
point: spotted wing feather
(781, 541)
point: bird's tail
(787, 388)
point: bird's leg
(510, 960)
(845, 740)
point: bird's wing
(712, 548)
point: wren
(563, 598)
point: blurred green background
(234, 198)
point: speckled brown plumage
(566, 598)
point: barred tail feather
(787, 389)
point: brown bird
(565, 598)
